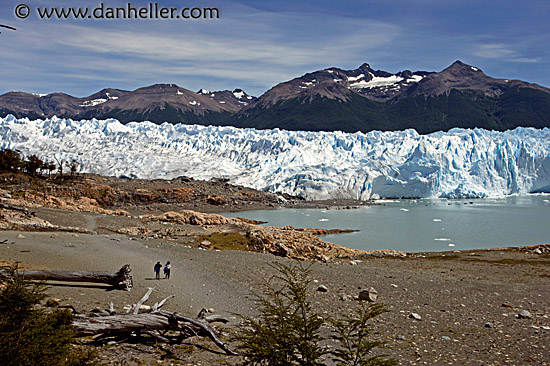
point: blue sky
(257, 44)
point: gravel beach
(468, 302)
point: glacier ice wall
(316, 165)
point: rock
(134, 230)
(216, 200)
(344, 298)
(393, 285)
(400, 338)
(489, 325)
(370, 295)
(322, 288)
(322, 258)
(205, 243)
(537, 251)
(506, 305)
(446, 338)
(281, 250)
(21, 236)
(415, 316)
(524, 314)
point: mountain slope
(157, 103)
(364, 100)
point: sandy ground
(456, 294)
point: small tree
(32, 164)
(287, 330)
(10, 160)
(73, 167)
(32, 336)
(50, 167)
(59, 166)
(351, 332)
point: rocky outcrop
(290, 243)
(284, 242)
(35, 199)
(188, 217)
(134, 230)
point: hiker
(157, 268)
(167, 270)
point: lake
(426, 224)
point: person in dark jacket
(167, 268)
(157, 268)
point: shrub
(30, 335)
(287, 329)
(351, 332)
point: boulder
(369, 295)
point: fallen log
(155, 323)
(120, 279)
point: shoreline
(468, 300)
(456, 294)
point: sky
(254, 45)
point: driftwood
(120, 279)
(164, 326)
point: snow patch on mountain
(93, 102)
(316, 165)
(376, 81)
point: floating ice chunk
(451, 245)
(442, 239)
(323, 219)
(436, 220)
(404, 209)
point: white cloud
(246, 45)
(502, 51)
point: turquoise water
(427, 225)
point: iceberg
(460, 163)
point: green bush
(287, 331)
(351, 332)
(30, 335)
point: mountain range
(332, 99)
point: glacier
(315, 165)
